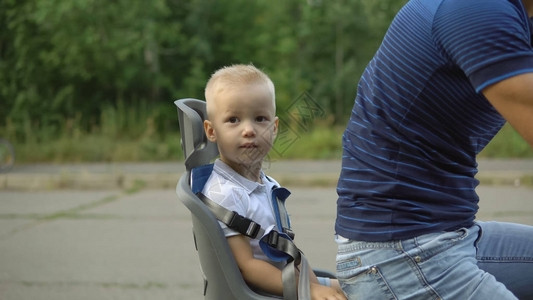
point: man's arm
(513, 99)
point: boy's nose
(248, 129)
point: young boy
(242, 120)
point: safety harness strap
(290, 286)
(304, 284)
(232, 219)
(281, 243)
(279, 195)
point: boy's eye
(261, 119)
(233, 120)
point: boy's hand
(321, 292)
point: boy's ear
(209, 131)
(276, 124)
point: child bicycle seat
(222, 277)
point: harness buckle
(289, 232)
(272, 239)
(244, 225)
(253, 229)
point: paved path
(108, 242)
(165, 174)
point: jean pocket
(363, 282)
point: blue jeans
(490, 260)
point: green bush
(132, 134)
(507, 144)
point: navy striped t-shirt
(420, 119)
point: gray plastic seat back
(197, 149)
(222, 277)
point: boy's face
(243, 124)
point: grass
(322, 142)
(507, 144)
(99, 148)
(121, 137)
(124, 133)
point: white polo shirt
(248, 198)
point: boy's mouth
(248, 145)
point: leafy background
(94, 80)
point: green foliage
(321, 143)
(62, 58)
(88, 80)
(507, 144)
(125, 134)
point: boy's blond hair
(236, 75)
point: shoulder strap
(199, 177)
(232, 219)
(279, 195)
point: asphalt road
(96, 176)
(135, 242)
